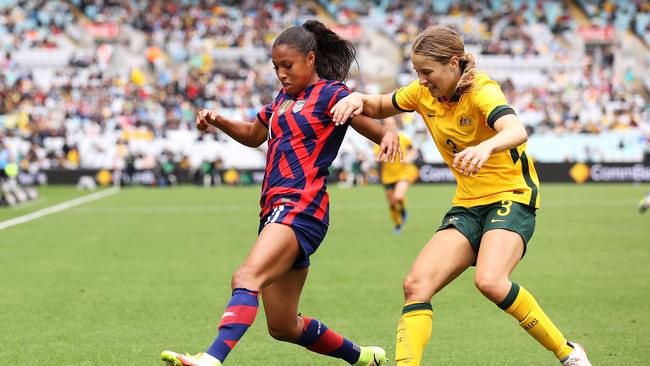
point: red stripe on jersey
(270, 156)
(333, 101)
(285, 169)
(312, 185)
(322, 209)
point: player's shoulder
(415, 91)
(282, 94)
(413, 86)
(334, 85)
(482, 80)
(484, 88)
(328, 90)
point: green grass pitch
(116, 281)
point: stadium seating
(87, 76)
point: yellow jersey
(465, 121)
(398, 170)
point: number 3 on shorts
(506, 208)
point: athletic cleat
(397, 229)
(372, 356)
(175, 359)
(578, 357)
(379, 356)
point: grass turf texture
(115, 281)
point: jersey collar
(454, 98)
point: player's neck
(314, 80)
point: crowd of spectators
(215, 54)
(589, 103)
(633, 15)
(184, 71)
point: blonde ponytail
(468, 67)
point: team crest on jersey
(284, 106)
(298, 106)
(464, 121)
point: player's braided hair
(441, 44)
(334, 55)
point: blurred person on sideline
(397, 177)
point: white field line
(59, 207)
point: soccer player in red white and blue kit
(311, 62)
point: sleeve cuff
(499, 112)
(394, 98)
(259, 118)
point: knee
(413, 288)
(492, 287)
(398, 197)
(246, 277)
(284, 332)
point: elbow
(253, 144)
(257, 143)
(524, 136)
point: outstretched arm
(249, 134)
(388, 141)
(510, 133)
(372, 105)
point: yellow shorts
(408, 172)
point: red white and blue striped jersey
(302, 143)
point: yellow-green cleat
(644, 203)
(372, 356)
(199, 359)
(176, 359)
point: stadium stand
(112, 84)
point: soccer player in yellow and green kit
(493, 212)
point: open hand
(389, 148)
(471, 160)
(346, 108)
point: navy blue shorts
(309, 231)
